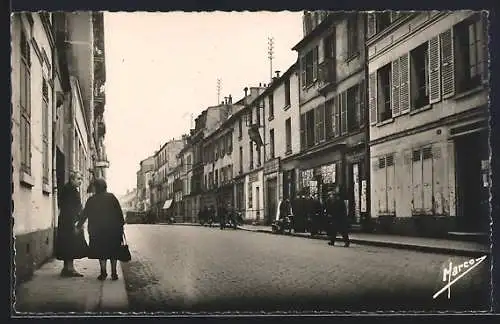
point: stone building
(333, 126)
(428, 99)
(144, 175)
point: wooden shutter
(315, 63)
(395, 82)
(427, 182)
(417, 180)
(395, 15)
(484, 50)
(371, 25)
(328, 119)
(404, 86)
(343, 112)
(372, 97)
(303, 71)
(316, 125)
(362, 104)
(303, 135)
(434, 70)
(321, 122)
(447, 63)
(335, 117)
(390, 185)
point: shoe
(102, 276)
(331, 243)
(346, 244)
(75, 274)
(65, 273)
(114, 276)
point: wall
(251, 210)
(402, 40)
(32, 212)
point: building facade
(428, 99)
(281, 119)
(53, 118)
(333, 127)
(146, 168)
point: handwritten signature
(457, 272)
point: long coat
(105, 225)
(69, 245)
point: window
(271, 106)
(259, 160)
(240, 129)
(329, 119)
(310, 128)
(222, 146)
(470, 51)
(241, 159)
(45, 132)
(287, 93)
(215, 149)
(320, 124)
(288, 135)
(250, 149)
(383, 20)
(342, 102)
(25, 104)
(309, 67)
(419, 76)
(271, 144)
(303, 138)
(352, 35)
(384, 93)
(229, 143)
(379, 21)
(257, 115)
(250, 117)
(250, 198)
(353, 109)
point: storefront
(272, 194)
(289, 175)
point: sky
(161, 68)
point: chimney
(225, 100)
(230, 99)
(260, 84)
(277, 73)
(246, 90)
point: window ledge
(287, 107)
(270, 118)
(468, 93)
(288, 152)
(26, 179)
(421, 109)
(352, 57)
(46, 189)
(385, 122)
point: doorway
(272, 186)
(472, 182)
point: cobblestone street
(184, 268)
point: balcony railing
(101, 129)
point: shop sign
(363, 196)
(272, 166)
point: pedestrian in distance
(70, 244)
(222, 216)
(105, 227)
(338, 219)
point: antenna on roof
(270, 52)
(219, 87)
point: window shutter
(321, 122)
(447, 63)
(316, 125)
(372, 25)
(395, 81)
(343, 112)
(362, 105)
(303, 71)
(395, 15)
(315, 63)
(303, 131)
(484, 50)
(335, 116)
(434, 71)
(404, 87)
(372, 97)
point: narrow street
(188, 268)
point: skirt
(104, 246)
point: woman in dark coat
(105, 227)
(70, 244)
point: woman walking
(105, 227)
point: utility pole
(219, 87)
(270, 52)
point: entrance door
(272, 186)
(472, 189)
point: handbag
(124, 252)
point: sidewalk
(422, 244)
(48, 292)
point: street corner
(114, 296)
(47, 291)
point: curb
(394, 245)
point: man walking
(338, 220)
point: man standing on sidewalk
(70, 243)
(337, 214)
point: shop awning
(167, 204)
